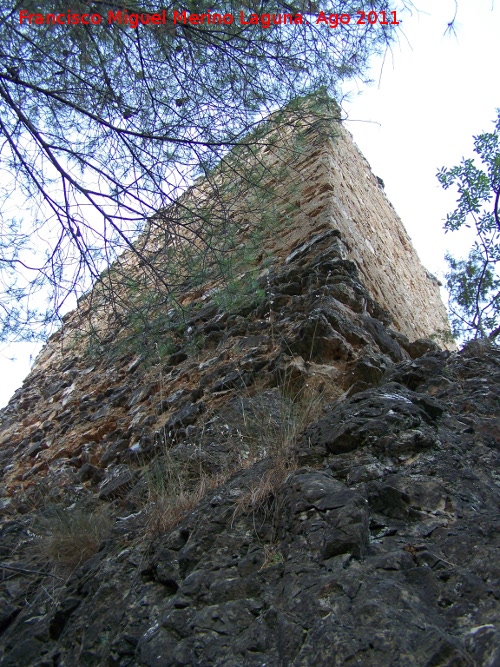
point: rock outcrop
(289, 479)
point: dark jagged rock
(284, 481)
(387, 552)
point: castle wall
(326, 183)
(379, 243)
(306, 176)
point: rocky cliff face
(287, 479)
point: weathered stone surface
(326, 517)
(290, 482)
(187, 415)
(117, 483)
(386, 552)
(7, 613)
(390, 420)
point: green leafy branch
(474, 283)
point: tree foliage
(103, 125)
(474, 283)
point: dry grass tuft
(257, 496)
(173, 492)
(270, 428)
(266, 428)
(68, 537)
(275, 436)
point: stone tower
(243, 448)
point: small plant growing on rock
(272, 434)
(272, 557)
(68, 537)
(173, 490)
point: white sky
(430, 97)
(435, 93)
